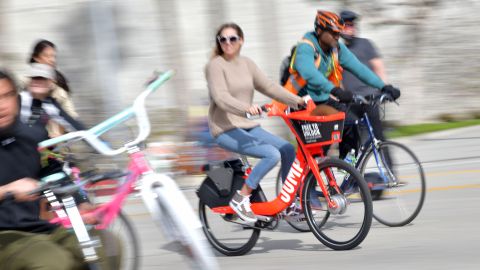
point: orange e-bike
(330, 194)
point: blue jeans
(258, 143)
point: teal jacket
(318, 86)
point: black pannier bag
(223, 179)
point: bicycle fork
(380, 159)
(335, 205)
(87, 244)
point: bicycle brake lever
(264, 109)
(360, 99)
(154, 77)
(257, 116)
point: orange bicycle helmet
(326, 20)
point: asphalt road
(446, 234)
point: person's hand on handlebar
(257, 112)
(87, 207)
(304, 102)
(392, 91)
(343, 95)
(21, 189)
(254, 110)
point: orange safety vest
(295, 82)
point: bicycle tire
(185, 234)
(300, 226)
(409, 195)
(223, 242)
(123, 230)
(339, 231)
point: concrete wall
(108, 48)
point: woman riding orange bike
(232, 79)
(342, 216)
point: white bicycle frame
(157, 190)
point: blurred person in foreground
(366, 53)
(26, 241)
(232, 79)
(45, 52)
(318, 69)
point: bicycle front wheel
(123, 230)
(173, 213)
(345, 225)
(398, 181)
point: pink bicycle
(166, 203)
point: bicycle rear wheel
(346, 226)
(225, 234)
(401, 186)
(296, 219)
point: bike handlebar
(54, 184)
(264, 109)
(270, 109)
(373, 99)
(137, 109)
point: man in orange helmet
(319, 61)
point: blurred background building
(108, 48)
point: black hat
(348, 15)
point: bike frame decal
(291, 183)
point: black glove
(343, 95)
(392, 91)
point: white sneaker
(241, 205)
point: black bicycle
(394, 174)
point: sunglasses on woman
(228, 39)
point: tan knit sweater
(231, 85)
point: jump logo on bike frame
(317, 132)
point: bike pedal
(264, 218)
(230, 217)
(400, 184)
(295, 218)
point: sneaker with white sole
(241, 205)
(294, 210)
(294, 213)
